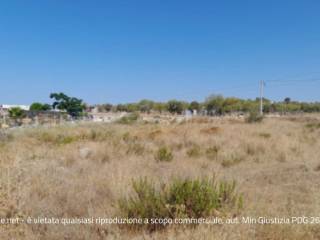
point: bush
(129, 119)
(16, 113)
(254, 117)
(175, 106)
(164, 154)
(182, 198)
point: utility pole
(261, 96)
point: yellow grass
(82, 171)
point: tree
(214, 104)
(105, 107)
(287, 100)
(16, 113)
(194, 105)
(145, 105)
(175, 106)
(121, 108)
(73, 106)
(160, 107)
(39, 107)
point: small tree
(214, 104)
(194, 105)
(73, 106)
(39, 107)
(121, 108)
(145, 105)
(16, 113)
(105, 107)
(160, 107)
(287, 100)
(175, 106)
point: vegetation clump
(164, 154)
(129, 119)
(254, 117)
(16, 113)
(181, 198)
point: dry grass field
(83, 171)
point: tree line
(213, 105)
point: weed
(164, 154)
(129, 119)
(254, 117)
(182, 198)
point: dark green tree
(214, 104)
(145, 105)
(105, 107)
(175, 106)
(39, 107)
(16, 113)
(73, 106)
(194, 105)
(287, 100)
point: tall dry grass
(82, 171)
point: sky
(124, 51)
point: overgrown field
(201, 168)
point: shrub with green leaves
(181, 198)
(129, 119)
(164, 154)
(254, 117)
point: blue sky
(124, 51)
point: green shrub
(129, 119)
(254, 117)
(16, 113)
(164, 154)
(182, 198)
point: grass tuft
(181, 198)
(164, 154)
